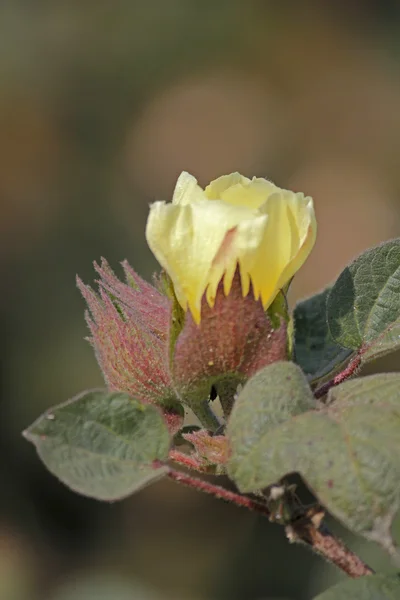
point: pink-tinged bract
(129, 326)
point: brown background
(102, 104)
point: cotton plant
(274, 391)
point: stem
(187, 461)
(206, 416)
(218, 492)
(227, 403)
(306, 528)
(348, 372)
(226, 392)
(324, 543)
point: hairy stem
(219, 492)
(348, 372)
(324, 543)
(206, 416)
(306, 528)
(186, 461)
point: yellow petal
(203, 236)
(216, 188)
(187, 190)
(185, 240)
(265, 262)
(239, 242)
(253, 195)
(288, 238)
(240, 191)
(305, 224)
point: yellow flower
(204, 235)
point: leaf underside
(102, 444)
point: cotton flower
(204, 236)
(227, 253)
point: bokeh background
(102, 105)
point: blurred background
(102, 105)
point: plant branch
(227, 391)
(310, 530)
(206, 416)
(187, 461)
(219, 492)
(304, 525)
(348, 372)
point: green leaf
(269, 398)
(314, 349)
(347, 452)
(370, 587)
(363, 307)
(102, 444)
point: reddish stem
(324, 543)
(187, 461)
(305, 530)
(218, 492)
(348, 372)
